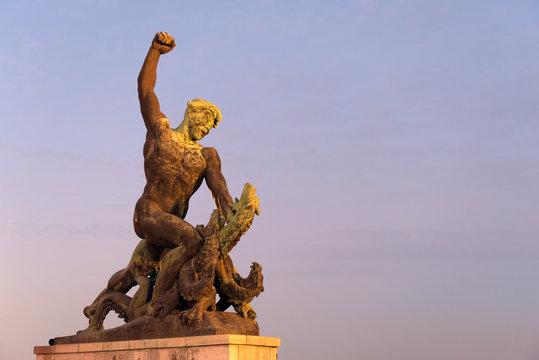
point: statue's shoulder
(210, 151)
(160, 129)
(210, 154)
(162, 123)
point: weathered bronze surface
(179, 269)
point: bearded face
(200, 123)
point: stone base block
(215, 347)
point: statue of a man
(180, 268)
(175, 165)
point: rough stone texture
(215, 347)
(148, 327)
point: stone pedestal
(215, 347)
(147, 327)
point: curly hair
(199, 105)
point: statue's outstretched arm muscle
(149, 105)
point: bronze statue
(180, 268)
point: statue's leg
(138, 304)
(168, 231)
(163, 229)
(168, 274)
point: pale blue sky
(394, 146)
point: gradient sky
(394, 146)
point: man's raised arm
(149, 105)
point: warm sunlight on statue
(180, 268)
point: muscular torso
(174, 169)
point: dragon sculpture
(201, 278)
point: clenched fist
(163, 42)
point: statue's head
(200, 116)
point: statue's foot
(251, 314)
(193, 316)
(245, 310)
